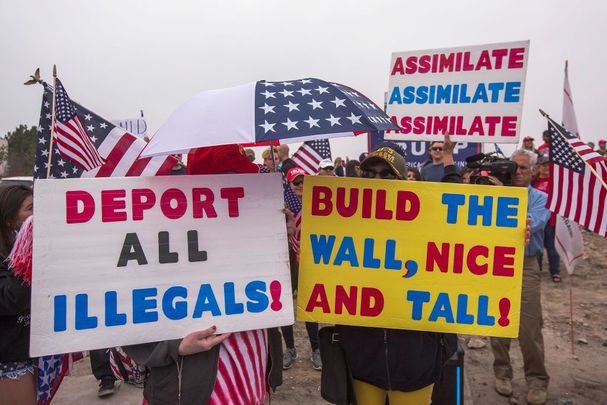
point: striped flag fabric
(119, 150)
(579, 180)
(294, 205)
(310, 153)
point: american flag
(294, 205)
(121, 153)
(310, 153)
(579, 186)
(119, 148)
(313, 107)
(70, 137)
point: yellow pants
(368, 394)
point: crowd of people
(399, 365)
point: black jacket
(14, 316)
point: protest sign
(136, 126)
(474, 93)
(412, 255)
(122, 261)
(417, 152)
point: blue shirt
(433, 172)
(539, 215)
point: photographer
(530, 332)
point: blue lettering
(141, 305)
(60, 310)
(256, 294)
(322, 248)
(463, 316)
(480, 94)
(175, 310)
(206, 302)
(483, 318)
(417, 298)
(442, 309)
(507, 209)
(112, 316)
(232, 307)
(453, 201)
(391, 262)
(495, 89)
(395, 96)
(368, 260)
(409, 95)
(513, 92)
(475, 209)
(83, 320)
(463, 96)
(422, 95)
(346, 252)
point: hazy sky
(118, 57)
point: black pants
(311, 327)
(100, 364)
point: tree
(21, 151)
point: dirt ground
(576, 379)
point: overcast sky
(119, 57)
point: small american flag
(294, 205)
(310, 153)
(578, 192)
(118, 148)
(71, 139)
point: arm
(537, 211)
(451, 175)
(14, 293)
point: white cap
(325, 163)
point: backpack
(125, 369)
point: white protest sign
(135, 126)
(121, 261)
(475, 93)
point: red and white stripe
(307, 158)
(581, 198)
(294, 240)
(241, 372)
(121, 151)
(74, 144)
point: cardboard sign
(121, 261)
(412, 255)
(474, 93)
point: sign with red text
(121, 261)
(412, 255)
(474, 93)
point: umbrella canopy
(291, 111)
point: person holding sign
(530, 330)
(17, 380)
(402, 365)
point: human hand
(448, 145)
(528, 232)
(494, 181)
(201, 341)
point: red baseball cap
(602, 141)
(294, 173)
(527, 138)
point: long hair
(11, 198)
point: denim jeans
(553, 256)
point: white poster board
(121, 261)
(475, 93)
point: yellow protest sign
(411, 255)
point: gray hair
(523, 152)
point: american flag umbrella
(291, 111)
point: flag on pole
(310, 153)
(118, 149)
(569, 241)
(70, 137)
(579, 180)
(119, 153)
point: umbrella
(291, 111)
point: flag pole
(53, 118)
(571, 315)
(585, 162)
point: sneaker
(503, 387)
(316, 360)
(288, 358)
(106, 388)
(536, 396)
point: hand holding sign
(201, 341)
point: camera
(489, 164)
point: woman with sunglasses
(434, 168)
(402, 365)
(295, 179)
(17, 382)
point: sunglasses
(329, 168)
(384, 174)
(297, 182)
(437, 149)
